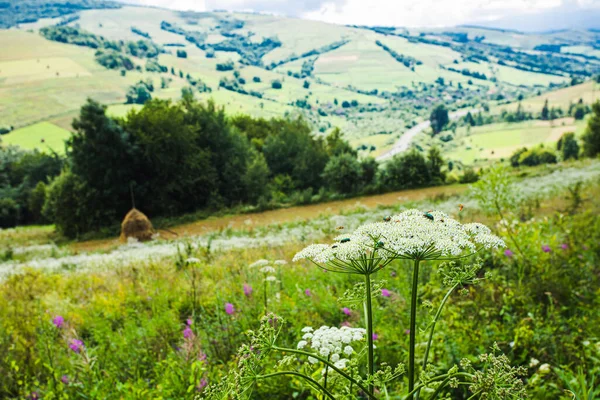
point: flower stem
(413, 324)
(265, 292)
(308, 378)
(329, 364)
(326, 373)
(369, 322)
(435, 320)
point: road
(404, 142)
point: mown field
(140, 320)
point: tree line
(181, 157)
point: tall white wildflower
(411, 234)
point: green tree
(256, 178)
(336, 144)
(591, 137)
(306, 84)
(545, 111)
(292, 150)
(469, 119)
(276, 84)
(438, 118)
(568, 146)
(435, 163)
(36, 201)
(369, 169)
(406, 171)
(9, 213)
(343, 173)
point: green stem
(435, 319)
(435, 379)
(330, 365)
(369, 321)
(326, 371)
(265, 293)
(413, 324)
(308, 378)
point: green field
(43, 136)
(496, 141)
(44, 81)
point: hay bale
(136, 225)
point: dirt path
(299, 213)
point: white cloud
(408, 13)
(412, 13)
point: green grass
(495, 141)
(43, 136)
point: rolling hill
(374, 83)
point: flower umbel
(411, 234)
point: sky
(407, 13)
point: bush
(276, 84)
(568, 146)
(343, 174)
(591, 137)
(182, 54)
(469, 176)
(256, 79)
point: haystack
(136, 225)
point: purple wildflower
(407, 331)
(345, 323)
(76, 345)
(202, 384)
(34, 396)
(64, 379)
(393, 273)
(564, 246)
(189, 322)
(375, 336)
(307, 292)
(385, 293)
(58, 321)
(346, 311)
(508, 253)
(187, 332)
(229, 309)
(202, 357)
(546, 248)
(247, 290)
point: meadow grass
(43, 136)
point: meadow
(164, 319)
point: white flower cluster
(332, 343)
(411, 234)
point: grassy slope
(43, 136)
(31, 91)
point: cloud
(408, 13)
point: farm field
(43, 136)
(44, 81)
(499, 141)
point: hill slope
(374, 83)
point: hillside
(374, 83)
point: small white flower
(335, 357)
(341, 364)
(312, 360)
(302, 344)
(348, 350)
(307, 336)
(267, 269)
(533, 362)
(307, 329)
(512, 344)
(270, 278)
(544, 369)
(324, 351)
(280, 262)
(192, 260)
